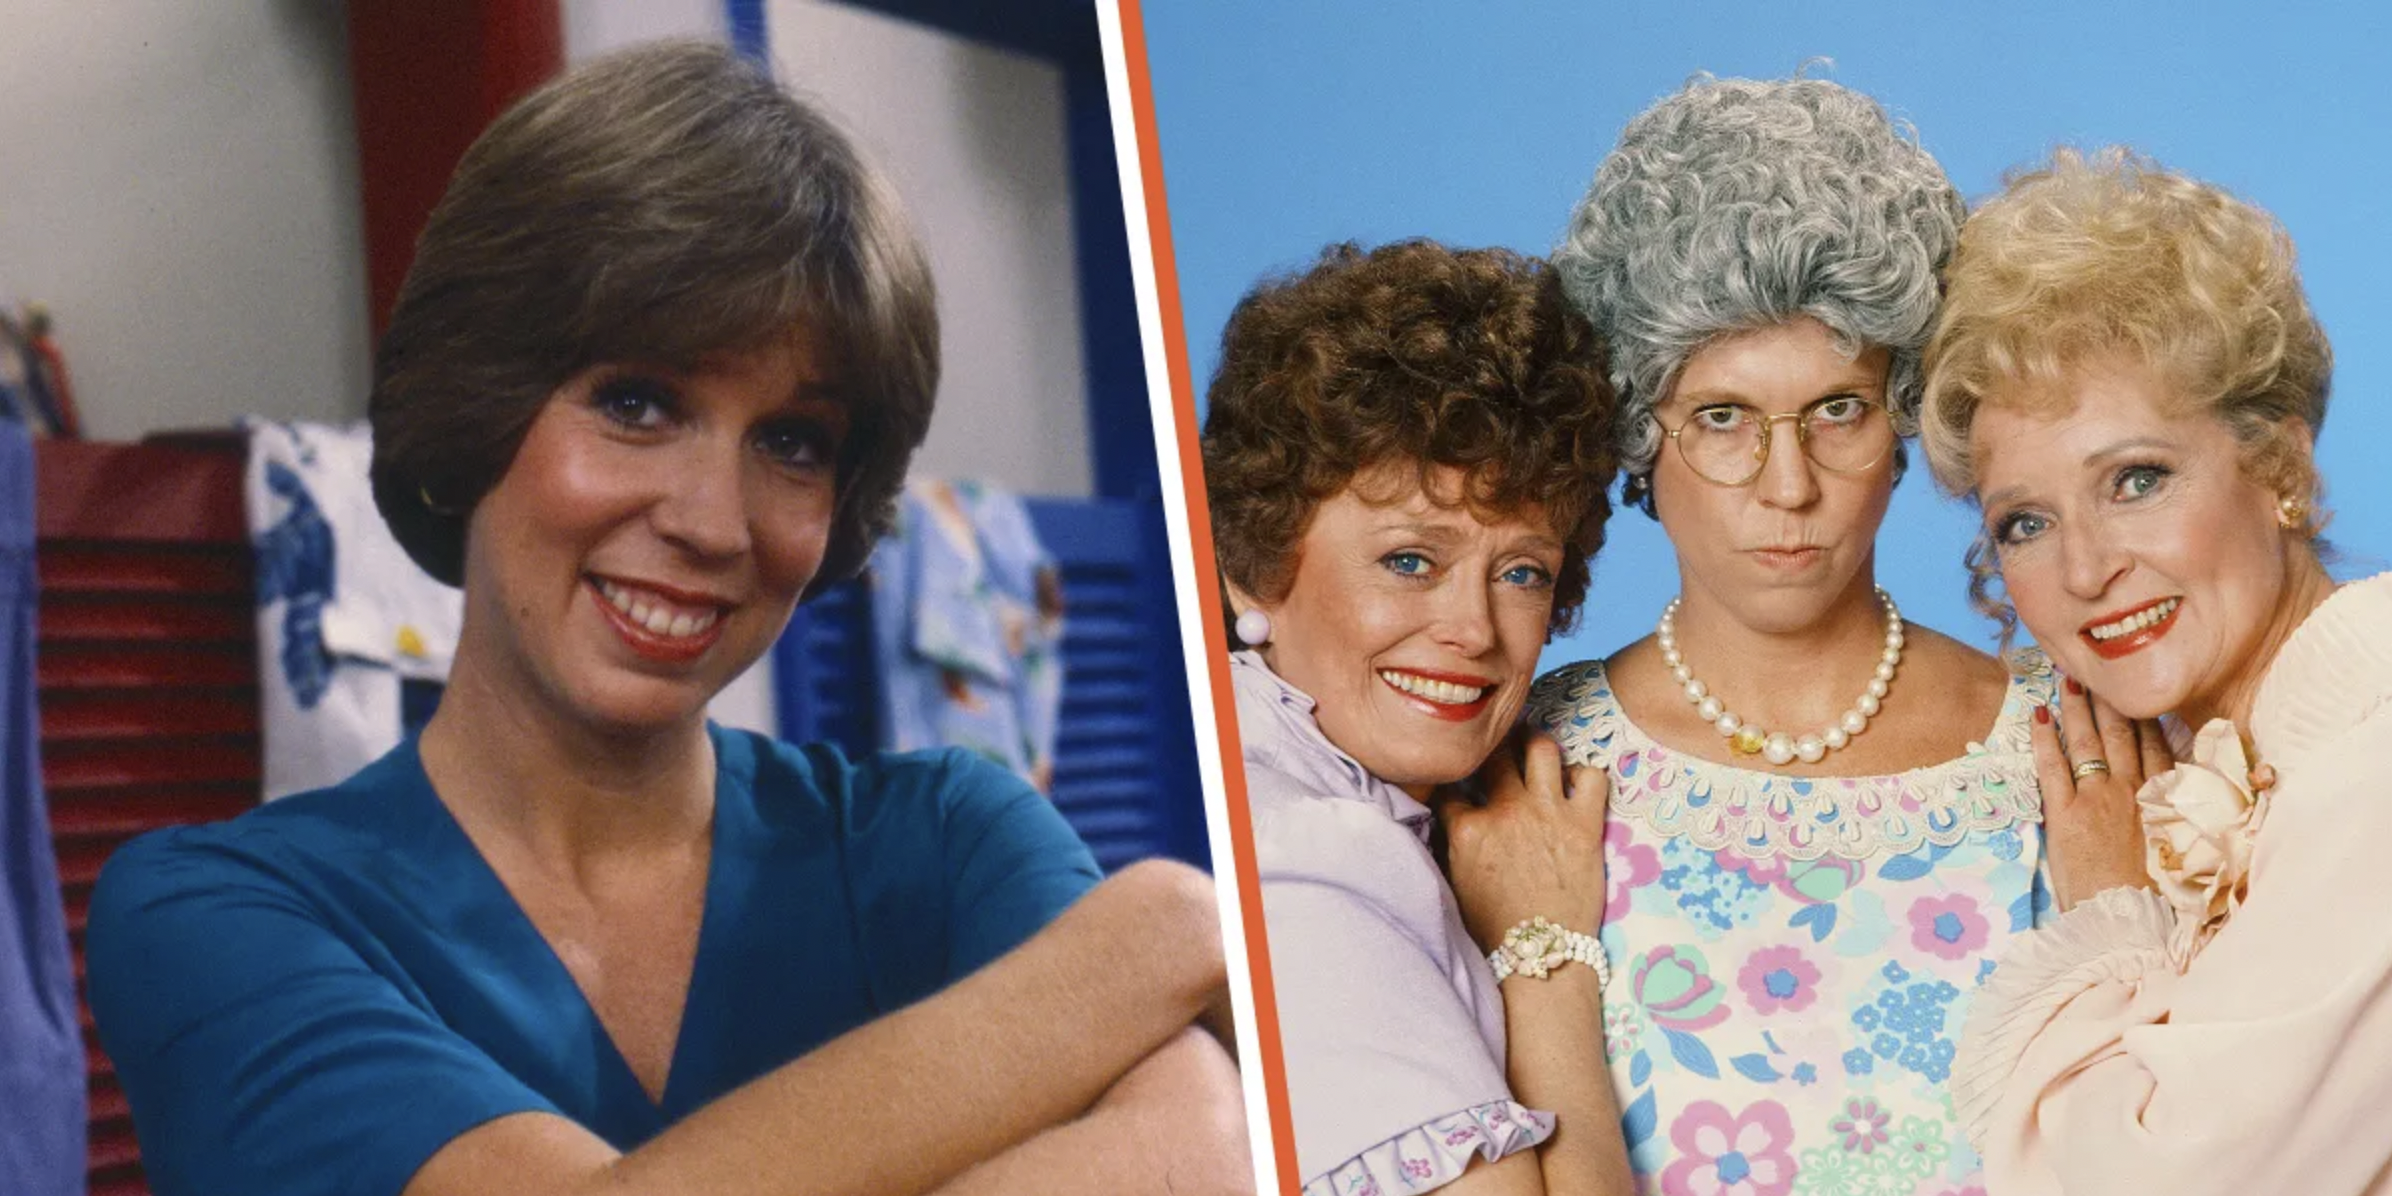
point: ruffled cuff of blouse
(2121, 935)
(1433, 1155)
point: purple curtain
(42, 1098)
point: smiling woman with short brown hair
(1406, 454)
(655, 378)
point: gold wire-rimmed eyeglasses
(1727, 444)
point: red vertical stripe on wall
(429, 76)
(146, 676)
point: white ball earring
(1254, 628)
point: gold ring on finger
(2088, 768)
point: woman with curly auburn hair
(1406, 453)
(2128, 381)
(1822, 817)
(655, 375)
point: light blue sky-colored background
(1288, 125)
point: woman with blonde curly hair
(1406, 452)
(1822, 816)
(2128, 381)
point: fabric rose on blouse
(2199, 823)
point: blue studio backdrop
(1285, 127)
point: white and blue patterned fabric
(968, 627)
(344, 618)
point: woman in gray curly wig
(1822, 818)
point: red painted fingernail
(2043, 714)
(2073, 687)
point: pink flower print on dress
(1724, 1154)
(1948, 927)
(1778, 979)
(1862, 1125)
(1760, 872)
(1627, 864)
(1675, 987)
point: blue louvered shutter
(824, 680)
(1125, 771)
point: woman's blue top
(320, 994)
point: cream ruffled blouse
(2230, 1032)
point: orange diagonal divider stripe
(1208, 586)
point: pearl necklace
(1777, 747)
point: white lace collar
(1716, 806)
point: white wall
(973, 139)
(593, 27)
(178, 182)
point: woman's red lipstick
(662, 648)
(1452, 712)
(2137, 639)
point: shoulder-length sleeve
(1012, 863)
(1390, 1075)
(260, 1052)
(2091, 1065)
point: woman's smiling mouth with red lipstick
(2125, 632)
(659, 623)
(1450, 696)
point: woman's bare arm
(1176, 1123)
(916, 1098)
(1556, 1030)
(1536, 850)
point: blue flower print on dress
(1905, 1024)
(1709, 895)
(294, 565)
(1806, 942)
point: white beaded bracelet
(1537, 946)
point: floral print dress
(1793, 958)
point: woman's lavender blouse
(1388, 1014)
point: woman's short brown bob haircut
(1411, 355)
(668, 206)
